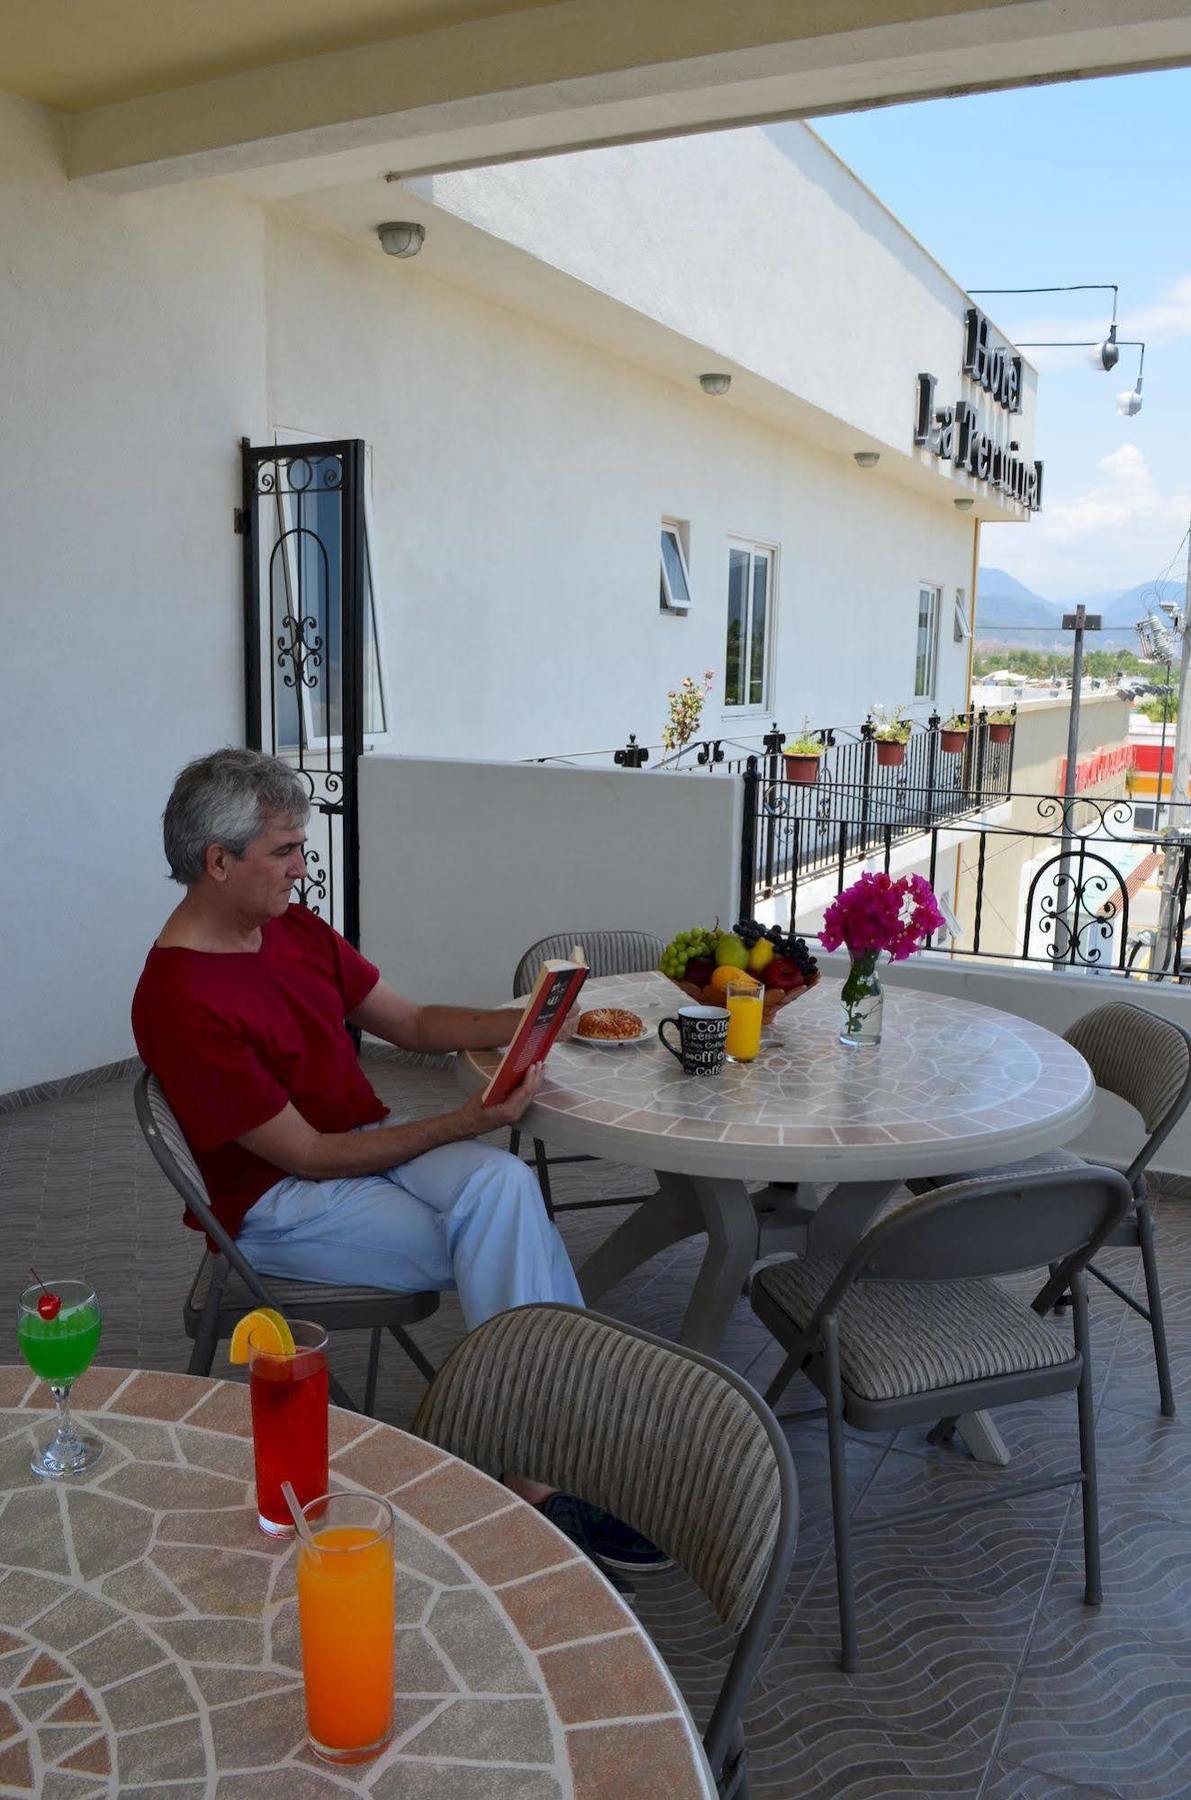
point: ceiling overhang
(586, 72)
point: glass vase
(862, 1003)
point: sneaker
(615, 1546)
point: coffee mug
(702, 1034)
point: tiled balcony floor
(984, 1675)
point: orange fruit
(725, 977)
(268, 1331)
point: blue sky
(1084, 181)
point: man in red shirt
(242, 1013)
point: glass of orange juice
(345, 1614)
(746, 1008)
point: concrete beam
(587, 72)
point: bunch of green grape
(699, 941)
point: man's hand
(476, 1118)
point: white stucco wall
(519, 481)
(463, 867)
(131, 350)
(761, 245)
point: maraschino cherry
(48, 1305)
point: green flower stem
(859, 987)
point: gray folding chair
(1145, 1061)
(676, 1445)
(608, 953)
(227, 1286)
(909, 1326)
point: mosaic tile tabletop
(149, 1642)
(951, 1085)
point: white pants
(464, 1216)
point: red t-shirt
(232, 1038)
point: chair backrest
(174, 1158)
(608, 953)
(993, 1226)
(667, 1440)
(1144, 1060)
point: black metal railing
(1086, 865)
(865, 794)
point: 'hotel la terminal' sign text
(952, 431)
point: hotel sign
(953, 433)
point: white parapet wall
(1056, 999)
(464, 865)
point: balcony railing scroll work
(1067, 885)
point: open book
(550, 1001)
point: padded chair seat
(900, 1338)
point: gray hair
(227, 798)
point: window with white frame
(676, 581)
(750, 615)
(927, 650)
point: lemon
(761, 953)
(268, 1331)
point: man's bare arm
(432, 1029)
(296, 1148)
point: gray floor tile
(984, 1675)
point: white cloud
(1169, 314)
(1120, 531)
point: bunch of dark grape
(749, 932)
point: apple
(699, 971)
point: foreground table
(148, 1631)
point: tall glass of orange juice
(345, 1613)
(746, 1010)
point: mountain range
(1009, 613)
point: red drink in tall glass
(289, 1424)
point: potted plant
(1000, 727)
(803, 754)
(892, 733)
(953, 734)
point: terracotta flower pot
(952, 742)
(890, 755)
(999, 734)
(803, 770)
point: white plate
(647, 1031)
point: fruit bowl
(772, 999)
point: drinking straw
(300, 1522)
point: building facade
(538, 441)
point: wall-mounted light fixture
(1129, 405)
(964, 503)
(866, 459)
(401, 237)
(1103, 353)
(715, 383)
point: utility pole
(1079, 621)
(1177, 836)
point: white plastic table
(952, 1086)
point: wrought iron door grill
(304, 577)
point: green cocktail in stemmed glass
(58, 1334)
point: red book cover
(554, 993)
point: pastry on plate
(609, 1023)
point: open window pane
(675, 587)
